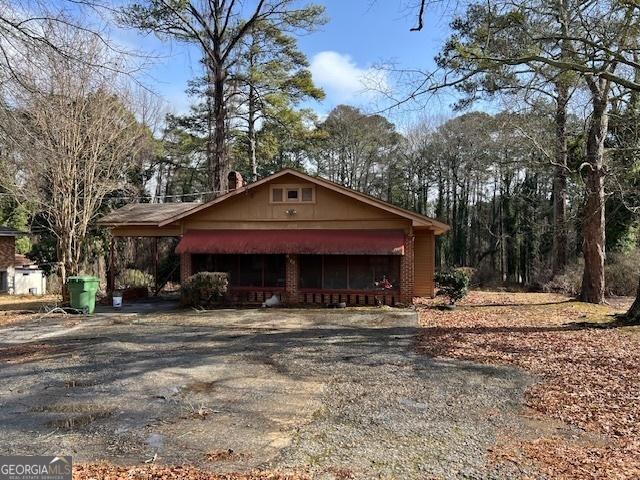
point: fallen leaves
(589, 376)
(13, 317)
(224, 456)
(560, 459)
(105, 471)
(33, 303)
(29, 352)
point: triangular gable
(417, 219)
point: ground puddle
(78, 415)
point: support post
(407, 271)
(111, 274)
(291, 280)
(185, 266)
(155, 267)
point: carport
(139, 223)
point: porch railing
(258, 295)
(254, 295)
(350, 297)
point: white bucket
(117, 302)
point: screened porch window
(244, 270)
(349, 272)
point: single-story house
(302, 238)
(18, 274)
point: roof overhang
(11, 232)
(328, 242)
(144, 214)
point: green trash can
(82, 292)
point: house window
(335, 272)
(310, 271)
(292, 194)
(244, 270)
(250, 271)
(349, 272)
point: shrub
(621, 273)
(453, 283)
(204, 288)
(132, 278)
(568, 282)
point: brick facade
(407, 271)
(7, 252)
(291, 280)
(185, 266)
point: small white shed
(29, 280)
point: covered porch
(314, 279)
(355, 267)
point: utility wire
(147, 197)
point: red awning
(344, 242)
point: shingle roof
(162, 214)
(418, 219)
(145, 213)
(9, 232)
(22, 261)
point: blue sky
(343, 53)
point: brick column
(185, 266)
(291, 280)
(406, 271)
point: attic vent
(292, 194)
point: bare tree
(25, 26)
(69, 137)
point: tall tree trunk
(560, 174)
(251, 133)
(439, 214)
(560, 181)
(494, 238)
(594, 221)
(217, 116)
(633, 315)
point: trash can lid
(82, 278)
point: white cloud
(343, 80)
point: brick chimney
(234, 180)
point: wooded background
(541, 193)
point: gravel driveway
(340, 393)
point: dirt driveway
(326, 391)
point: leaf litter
(589, 375)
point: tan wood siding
(424, 250)
(146, 231)
(399, 224)
(330, 210)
